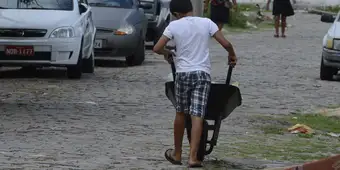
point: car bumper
(54, 52)
(116, 45)
(331, 58)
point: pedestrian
(191, 36)
(220, 11)
(281, 10)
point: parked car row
(70, 33)
(330, 58)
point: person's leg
(182, 91)
(199, 100)
(283, 25)
(179, 126)
(196, 132)
(277, 25)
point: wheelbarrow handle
(173, 69)
(230, 70)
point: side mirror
(82, 8)
(327, 18)
(145, 6)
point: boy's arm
(159, 47)
(227, 45)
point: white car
(38, 33)
(330, 60)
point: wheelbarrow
(222, 100)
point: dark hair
(180, 6)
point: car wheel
(88, 64)
(158, 34)
(327, 73)
(75, 71)
(138, 57)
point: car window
(37, 4)
(111, 3)
(82, 1)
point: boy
(191, 36)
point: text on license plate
(19, 50)
(98, 43)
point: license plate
(19, 50)
(98, 43)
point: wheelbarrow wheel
(204, 137)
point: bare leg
(277, 25)
(179, 126)
(220, 26)
(196, 132)
(283, 25)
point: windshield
(37, 4)
(111, 3)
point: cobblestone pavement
(120, 118)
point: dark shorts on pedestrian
(192, 90)
(283, 7)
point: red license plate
(19, 50)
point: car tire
(75, 71)
(326, 73)
(158, 34)
(88, 64)
(138, 57)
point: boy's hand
(232, 60)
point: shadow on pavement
(110, 63)
(49, 73)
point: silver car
(121, 29)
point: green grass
(294, 149)
(247, 7)
(319, 122)
(274, 142)
(238, 22)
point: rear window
(37, 4)
(111, 3)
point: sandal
(276, 36)
(168, 155)
(283, 36)
(195, 165)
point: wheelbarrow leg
(216, 130)
(204, 137)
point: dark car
(158, 18)
(121, 29)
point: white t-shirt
(191, 36)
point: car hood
(110, 18)
(38, 19)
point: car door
(89, 29)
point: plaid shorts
(192, 90)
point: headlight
(64, 32)
(126, 30)
(336, 44)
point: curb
(330, 163)
(320, 12)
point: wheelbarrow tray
(222, 100)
